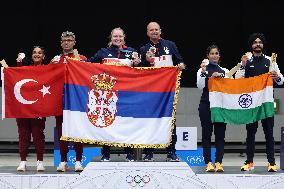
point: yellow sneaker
(210, 167)
(219, 167)
(248, 166)
(271, 167)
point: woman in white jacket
(210, 68)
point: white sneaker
(22, 166)
(62, 167)
(78, 166)
(39, 166)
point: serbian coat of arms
(102, 100)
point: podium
(149, 175)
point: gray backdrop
(187, 116)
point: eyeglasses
(67, 40)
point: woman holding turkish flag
(31, 126)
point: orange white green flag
(241, 101)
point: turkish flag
(32, 91)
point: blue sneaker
(105, 157)
(130, 157)
(172, 157)
(148, 157)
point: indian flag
(241, 101)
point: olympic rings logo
(138, 180)
(195, 159)
(73, 159)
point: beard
(257, 49)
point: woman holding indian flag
(210, 68)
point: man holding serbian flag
(119, 105)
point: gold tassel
(175, 103)
(113, 143)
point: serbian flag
(241, 101)
(119, 105)
(32, 91)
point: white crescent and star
(20, 98)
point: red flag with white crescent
(32, 91)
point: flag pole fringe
(113, 143)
